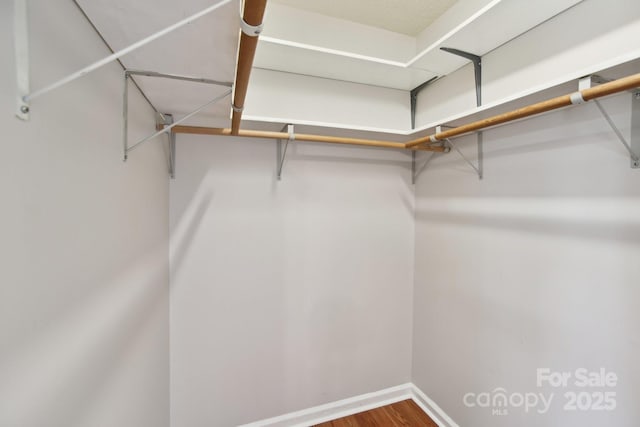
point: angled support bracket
(633, 147)
(282, 151)
(417, 169)
(479, 169)
(414, 98)
(635, 128)
(163, 120)
(164, 128)
(477, 69)
(21, 48)
(116, 55)
(477, 72)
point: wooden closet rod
(199, 130)
(251, 28)
(578, 97)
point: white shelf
(290, 48)
(614, 68)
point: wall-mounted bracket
(479, 169)
(172, 155)
(21, 48)
(417, 169)
(477, 69)
(635, 128)
(165, 127)
(633, 147)
(163, 120)
(282, 150)
(414, 98)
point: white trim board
(356, 404)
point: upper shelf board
(316, 45)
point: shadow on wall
(87, 347)
(186, 229)
(616, 219)
(531, 267)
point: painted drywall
(84, 246)
(286, 295)
(290, 97)
(534, 267)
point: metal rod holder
(416, 169)
(168, 128)
(635, 128)
(632, 147)
(479, 169)
(166, 120)
(282, 151)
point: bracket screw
(637, 95)
(24, 109)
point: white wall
(287, 294)
(535, 266)
(288, 98)
(84, 246)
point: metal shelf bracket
(416, 169)
(21, 48)
(413, 96)
(282, 150)
(477, 69)
(162, 123)
(633, 147)
(479, 168)
(163, 120)
(635, 129)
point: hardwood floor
(402, 414)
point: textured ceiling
(400, 16)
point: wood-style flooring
(402, 414)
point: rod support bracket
(479, 168)
(21, 49)
(632, 146)
(163, 120)
(282, 151)
(417, 169)
(635, 129)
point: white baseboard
(353, 405)
(431, 408)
